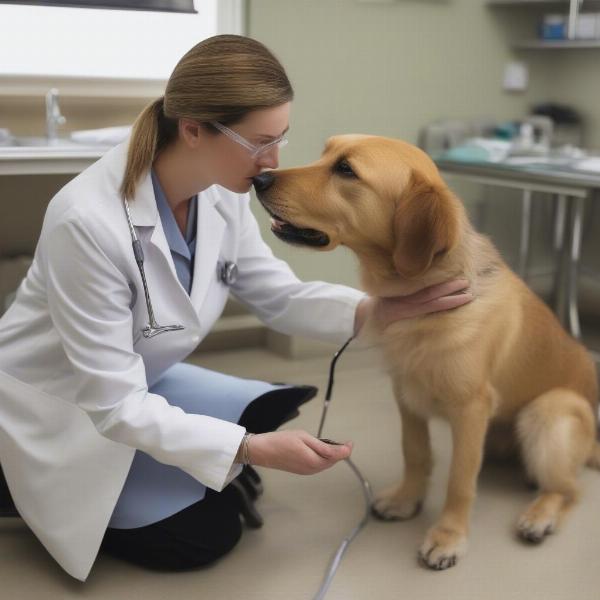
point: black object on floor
(251, 481)
(7, 506)
(244, 503)
(266, 413)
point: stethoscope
(227, 273)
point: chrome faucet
(53, 116)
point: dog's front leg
(404, 501)
(447, 540)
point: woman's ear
(190, 132)
(426, 224)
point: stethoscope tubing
(366, 487)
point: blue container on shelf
(553, 27)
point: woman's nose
(270, 159)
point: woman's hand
(442, 296)
(295, 451)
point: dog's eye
(343, 167)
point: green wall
(388, 68)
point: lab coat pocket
(215, 301)
(30, 413)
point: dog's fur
(501, 370)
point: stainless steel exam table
(571, 189)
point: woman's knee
(163, 549)
(181, 554)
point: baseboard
(234, 332)
(293, 346)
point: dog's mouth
(290, 233)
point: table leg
(560, 217)
(570, 220)
(573, 266)
(525, 241)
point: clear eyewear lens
(279, 143)
(236, 137)
(254, 150)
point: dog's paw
(442, 548)
(392, 505)
(536, 523)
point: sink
(44, 141)
(24, 145)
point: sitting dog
(500, 369)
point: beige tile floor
(307, 517)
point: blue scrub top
(182, 249)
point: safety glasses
(254, 150)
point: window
(84, 42)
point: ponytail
(142, 146)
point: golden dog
(501, 370)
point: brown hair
(222, 78)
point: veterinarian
(107, 439)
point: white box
(516, 77)
(586, 27)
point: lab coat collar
(210, 228)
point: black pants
(208, 529)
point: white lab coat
(75, 368)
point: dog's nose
(263, 181)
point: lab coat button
(195, 339)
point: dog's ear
(426, 224)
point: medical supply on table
(6, 137)
(568, 124)
(479, 149)
(590, 164)
(586, 26)
(335, 563)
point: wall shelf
(572, 10)
(555, 44)
(587, 3)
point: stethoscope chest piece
(227, 272)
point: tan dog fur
(500, 370)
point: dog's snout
(263, 181)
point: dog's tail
(593, 460)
